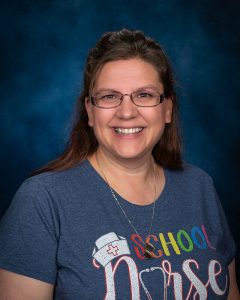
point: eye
(108, 97)
(144, 95)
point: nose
(127, 109)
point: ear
(168, 110)
(89, 110)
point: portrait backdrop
(43, 50)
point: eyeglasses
(106, 99)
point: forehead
(127, 74)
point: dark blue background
(43, 49)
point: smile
(128, 130)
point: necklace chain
(148, 246)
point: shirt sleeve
(220, 232)
(29, 233)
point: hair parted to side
(124, 44)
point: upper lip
(128, 127)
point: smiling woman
(128, 130)
(119, 215)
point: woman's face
(128, 131)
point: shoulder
(47, 195)
(192, 174)
(47, 188)
(59, 179)
(191, 182)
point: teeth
(128, 130)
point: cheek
(160, 118)
(159, 122)
(96, 118)
(99, 119)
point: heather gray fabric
(66, 229)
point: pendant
(148, 252)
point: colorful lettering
(148, 239)
(187, 237)
(206, 236)
(138, 241)
(172, 242)
(196, 231)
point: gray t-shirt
(65, 228)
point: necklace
(148, 249)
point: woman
(118, 215)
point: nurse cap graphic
(109, 247)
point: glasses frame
(161, 99)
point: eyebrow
(146, 87)
(142, 88)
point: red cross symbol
(112, 250)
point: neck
(138, 182)
(130, 170)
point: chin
(130, 155)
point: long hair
(121, 45)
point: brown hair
(112, 46)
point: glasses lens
(106, 99)
(146, 98)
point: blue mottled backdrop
(43, 49)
